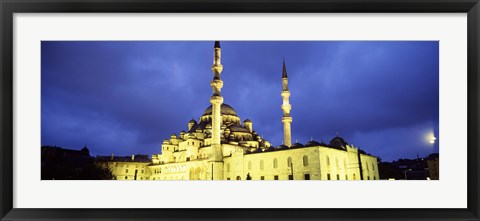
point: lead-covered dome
(312, 143)
(338, 142)
(225, 109)
(296, 145)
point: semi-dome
(236, 128)
(282, 147)
(200, 126)
(225, 109)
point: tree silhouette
(64, 164)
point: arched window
(373, 166)
(261, 164)
(305, 161)
(289, 162)
(275, 163)
(328, 161)
(249, 165)
(354, 176)
(228, 167)
(239, 178)
(367, 165)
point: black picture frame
(9, 7)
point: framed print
(252, 110)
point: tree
(94, 171)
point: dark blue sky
(127, 97)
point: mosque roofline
(194, 160)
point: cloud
(126, 97)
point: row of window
(275, 177)
(305, 163)
(338, 177)
(345, 163)
(168, 178)
(307, 177)
(126, 171)
(373, 166)
(275, 163)
(126, 178)
(125, 165)
(346, 177)
(290, 177)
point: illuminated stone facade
(220, 147)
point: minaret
(216, 100)
(286, 107)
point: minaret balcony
(216, 100)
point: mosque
(219, 146)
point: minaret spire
(286, 107)
(216, 100)
(217, 63)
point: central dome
(224, 110)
